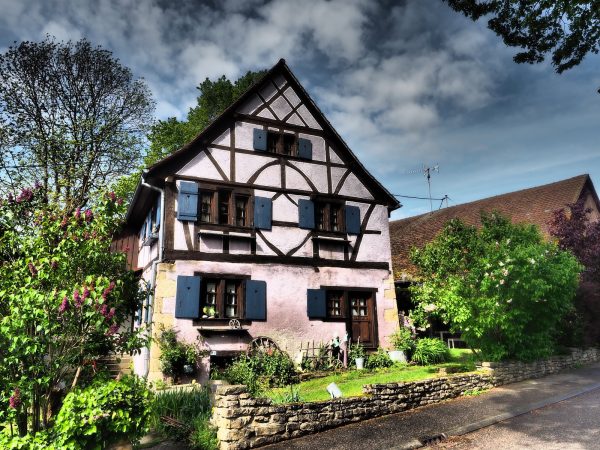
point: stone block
(268, 429)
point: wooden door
(361, 325)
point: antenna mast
(427, 174)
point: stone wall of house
(246, 422)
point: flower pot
(360, 363)
(398, 356)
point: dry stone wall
(247, 422)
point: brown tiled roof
(534, 205)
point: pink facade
(267, 218)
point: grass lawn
(351, 382)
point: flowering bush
(104, 413)
(65, 300)
(502, 286)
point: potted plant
(402, 341)
(356, 353)
(209, 312)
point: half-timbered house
(266, 224)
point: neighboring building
(268, 218)
(535, 205)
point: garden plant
(65, 301)
(502, 286)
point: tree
(71, 116)
(65, 300)
(168, 136)
(502, 286)
(566, 29)
(576, 232)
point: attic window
(282, 143)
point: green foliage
(403, 339)
(38, 441)
(203, 435)
(81, 127)
(566, 29)
(379, 359)
(176, 355)
(168, 136)
(502, 286)
(356, 351)
(430, 351)
(65, 301)
(103, 413)
(262, 369)
(188, 408)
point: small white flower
(486, 274)
(430, 308)
(497, 304)
(501, 263)
(517, 282)
(501, 281)
(509, 300)
(508, 241)
(532, 261)
(505, 272)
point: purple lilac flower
(104, 310)
(119, 201)
(111, 313)
(25, 195)
(112, 329)
(89, 215)
(78, 299)
(112, 196)
(32, 269)
(15, 399)
(64, 305)
(86, 293)
(78, 213)
(54, 264)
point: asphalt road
(570, 424)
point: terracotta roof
(534, 205)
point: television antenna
(427, 173)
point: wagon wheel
(261, 344)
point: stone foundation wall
(246, 422)
(511, 372)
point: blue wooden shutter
(187, 201)
(256, 300)
(352, 220)
(263, 211)
(260, 140)
(187, 298)
(306, 214)
(304, 148)
(316, 303)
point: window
(220, 298)
(329, 216)
(224, 207)
(282, 143)
(335, 304)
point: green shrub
(39, 441)
(179, 413)
(203, 436)
(505, 288)
(430, 351)
(379, 359)
(103, 413)
(175, 355)
(261, 370)
(356, 351)
(403, 339)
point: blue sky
(406, 83)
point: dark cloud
(406, 83)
